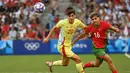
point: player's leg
(78, 62)
(63, 62)
(49, 64)
(55, 63)
(99, 53)
(68, 52)
(95, 63)
(108, 59)
(65, 58)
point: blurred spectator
(2, 9)
(22, 31)
(10, 5)
(0, 31)
(30, 34)
(112, 35)
(57, 18)
(18, 36)
(28, 2)
(41, 33)
(79, 6)
(46, 2)
(5, 27)
(34, 22)
(54, 5)
(12, 33)
(51, 17)
(1, 3)
(57, 31)
(126, 32)
(5, 36)
(35, 1)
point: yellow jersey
(67, 30)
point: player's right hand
(89, 34)
(117, 30)
(72, 43)
(45, 40)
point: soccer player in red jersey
(98, 33)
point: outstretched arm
(82, 35)
(115, 29)
(49, 35)
(78, 38)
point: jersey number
(97, 35)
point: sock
(87, 65)
(57, 63)
(80, 68)
(115, 71)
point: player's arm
(58, 25)
(115, 29)
(109, 26)
(82, 35)
(49, 35)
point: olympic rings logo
(32, 46)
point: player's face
(71, 18)
(95, 20)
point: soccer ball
(39, 7)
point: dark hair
(70, 11)
(94, 14)
(69, 8)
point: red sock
(115, 71)
(87, 65)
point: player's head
(71, 15)
(68, 8)
(95, 18)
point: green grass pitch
(36, 64)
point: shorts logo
(32, 46)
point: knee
(108, 59)
(78, 60)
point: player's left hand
(45, 40)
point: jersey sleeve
(87, 29)
(81, 25)
(107, 25)
(59, 24)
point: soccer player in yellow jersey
(67, 28)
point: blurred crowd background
(19, 21)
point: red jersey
(98, 34)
